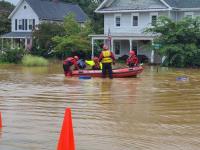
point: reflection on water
(151, 112)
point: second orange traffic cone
(66, 140)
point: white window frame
(186, 14)
(120, 44)
(30, 24)
(115, 23)
(134, 14)
(151, 15)
(20, 24)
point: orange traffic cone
(0, 121)
(66, 140)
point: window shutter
(26, 24)
(16, 24)
(22, 24)
(33, 23)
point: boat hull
(117, 73)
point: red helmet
(76, 57)
(105, 47)
(132, 52)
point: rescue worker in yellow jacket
(107, 58)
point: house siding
(126, 22)
(127, 33)
(22, 13)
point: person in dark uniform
(107, 58)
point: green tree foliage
(89, 6)
(179, 41)
(75, 38)
(43, 37)
(5, 10)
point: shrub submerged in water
(29, 60)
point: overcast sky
(13, 1)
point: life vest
(106, 57)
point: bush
(29, 60)
(12, 56)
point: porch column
(152, 54)
(92, 48)
(26, 43)
(12, 43)
(130, 43)
(2, 44)
(112, 43)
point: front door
(135, 46)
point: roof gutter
(188, 9)
(124, 11)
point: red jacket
(132, 59)
(72, 60)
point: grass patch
(32, 61)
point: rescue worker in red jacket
(132, 60)
(107, 58)
(68, 62)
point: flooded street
(151, 112)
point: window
(117, 46)
(189, 14)
(31, 24)
(117, 21)
(135, 20)
(20, 25)
(153, 20)
(135, 46)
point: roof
(184, 3)
(56, 11)
(117, 5)
(137, 5)
(17, 35)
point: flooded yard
(151, 112)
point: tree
(5, 10)
(43, 37)
(75, 39)
(179, 41)
(89, 6)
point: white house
(125, 21)
(29, 13)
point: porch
(121, 44)
(17, 40)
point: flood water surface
(152, 112)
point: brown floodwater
(151, 112)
